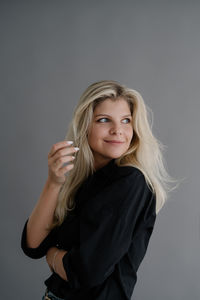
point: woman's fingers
(65, 151)
(57, 164)
(59, 146)
(63, 170)
(60, 154)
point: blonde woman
(106, 183)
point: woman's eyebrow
(129, 115)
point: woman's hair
(144, 153)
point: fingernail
(76, 148)
(69, 142)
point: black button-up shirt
(106, 236)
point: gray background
(50, 52)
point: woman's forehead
(119, 104)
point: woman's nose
(116, 129)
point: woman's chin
(116, 155)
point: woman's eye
(128, 120)
(100, 120)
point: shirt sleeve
(106, 231)
(42, 249)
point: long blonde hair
(144, 153)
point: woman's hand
(49, 257)
(59, 154)
(54, 259)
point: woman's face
(111, 131)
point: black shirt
(106, 236)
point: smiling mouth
(114, 142)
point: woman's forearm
(54, 259)
(42, 215)
(58, 265)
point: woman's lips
(114, 142)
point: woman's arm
(42, 215)
(54, 259)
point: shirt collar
(107, 170)
(101, 178)
(113, 171)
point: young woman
(95, 216)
